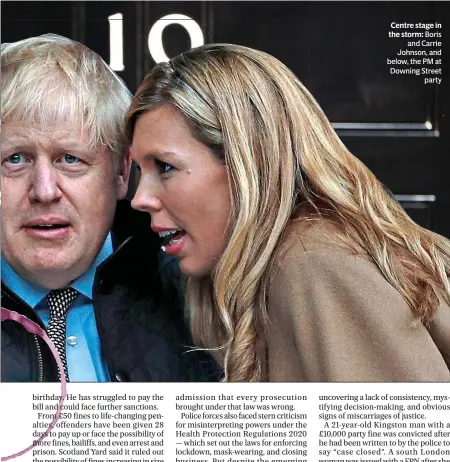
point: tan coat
(335, 318)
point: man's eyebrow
(16, 139)
(62, 143)
(72, 146)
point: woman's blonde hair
(281, 152)
(52, 79)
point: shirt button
(72, 340)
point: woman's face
(184, 187)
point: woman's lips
(173, 245)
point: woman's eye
(16, 158)
(69, 159)
(163, 167)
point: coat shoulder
(313, 236)
(341, 320)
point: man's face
(58, 201)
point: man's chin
(50, 278)
(52, 273)
(52, 266)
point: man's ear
(123, 175)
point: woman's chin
(194, 269)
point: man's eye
(69, 159)
(16, 158)
(163, 167)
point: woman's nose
(146, 199)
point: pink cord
(33, 328)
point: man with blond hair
(76, 259)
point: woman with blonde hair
(299, 265)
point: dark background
(398, 126)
